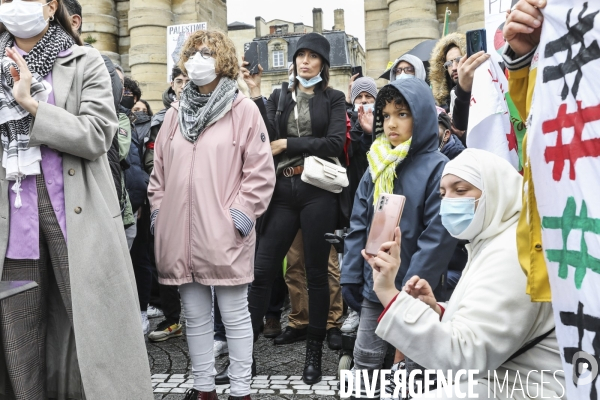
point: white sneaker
(351, 323)
(154, 312)
(145, 323)
(220, 348)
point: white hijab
(412, 60)
(501, 187)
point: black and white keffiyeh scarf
(197, 111)
(18, 158)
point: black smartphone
(476, 41)
(357, 70)
(251, 55)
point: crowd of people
(121, 214)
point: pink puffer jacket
(194, 185)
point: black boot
(222, 378)
(312, 364)
(291, 335)
(334, 339)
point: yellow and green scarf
(383, 160)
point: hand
(365, 119)
(420, 289)
(253, 81)
(385, 268)
(523, 26)
(352, 294)
(278, 146)
(456, 131)
(349, 94)
(467, 67)
(22, 82)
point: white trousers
(233, 303)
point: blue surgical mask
(404, 75)
(291, 79)
(457, 214)
(366, 107)
(310, 82)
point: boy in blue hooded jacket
(404, 159)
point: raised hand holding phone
(385, 268)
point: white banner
(495, 15)
(564, 149)
(176, 37)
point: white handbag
(320, 173)
(324, 174)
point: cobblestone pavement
(279, 370)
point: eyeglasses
(450, 63)
(204, 52)
(407, 70)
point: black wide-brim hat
(316, 43)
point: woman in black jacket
(311, 121)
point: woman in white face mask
(59, 228)
(311, 121)
(213, 177)
(489, 324)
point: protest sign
(564, 150)
(495, 15)
(176, 37)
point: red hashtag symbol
(578, 148)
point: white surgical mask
(23, 19)
(308, 83)
(460, 217)
(366, 107)
(404, 75)
(201, 70)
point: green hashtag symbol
(580, 260)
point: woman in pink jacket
(213, 177)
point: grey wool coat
(106, 319)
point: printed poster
(176, 37)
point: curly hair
(389, 94)
(223, 49)
(134, 87)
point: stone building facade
(392, 27)
(134, 34)
(277, 45)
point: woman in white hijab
(489, 323)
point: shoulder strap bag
(320, 173)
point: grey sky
(300, 11)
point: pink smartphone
(388, 211)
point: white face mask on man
(366, 107)
(201, 70)
(23, 19)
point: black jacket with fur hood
(441, 82)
